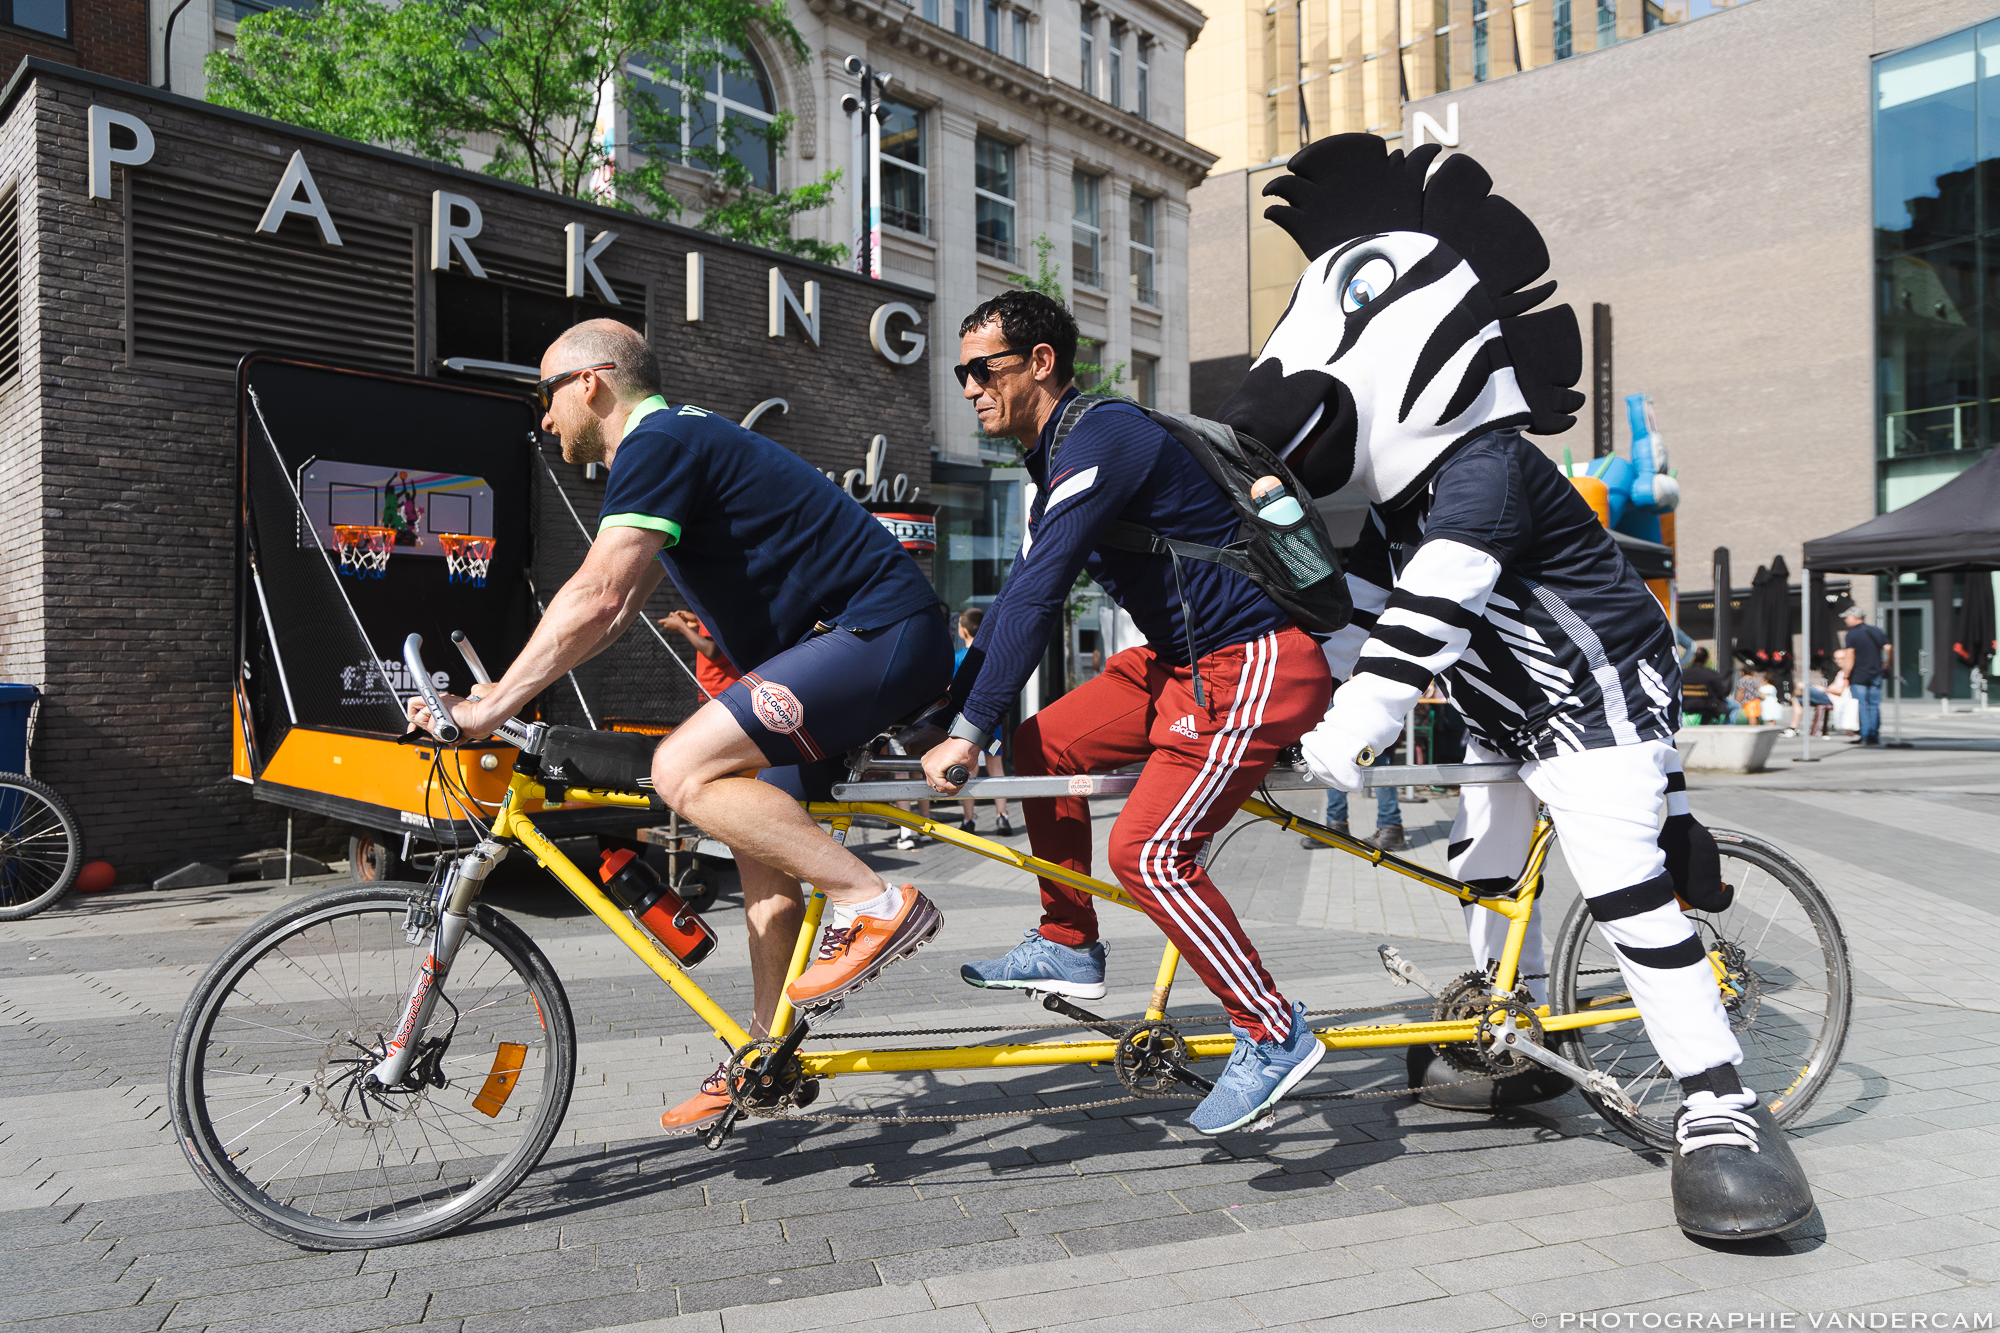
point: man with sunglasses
(1206, 739)
(787, 572)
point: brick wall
(109, 37)
(137, 463)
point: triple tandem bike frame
(510, 824)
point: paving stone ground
(1367, 1215)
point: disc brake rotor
(343, 1065)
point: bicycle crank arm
(1056, 1004)
(1596, 1080)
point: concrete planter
(1726, 749)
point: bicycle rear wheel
(265, 1084)
(1786, 961)
(40, 848)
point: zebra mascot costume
(1408, 363)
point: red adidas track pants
(1201, 762)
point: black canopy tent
(1953, 530)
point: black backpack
(1292, 564)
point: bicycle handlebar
(523, 736)
(442, 725)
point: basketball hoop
(466, 557)
(364, 550)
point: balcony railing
(1090, 277)
(1001, 250)
(902, 219)
(1143, 294)
(1931, 430)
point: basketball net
(364, 550)
(466, 558)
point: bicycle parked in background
(40, 848)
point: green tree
(535, 77)
(1091, 376)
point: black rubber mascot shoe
(1735, 1176)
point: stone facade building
(119, 415)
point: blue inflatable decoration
(1641, 487)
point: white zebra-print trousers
(1607, 805)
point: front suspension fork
(455, 897)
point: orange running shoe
(704, 1108)
(849, 959)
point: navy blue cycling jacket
(1114, 464)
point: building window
(1086, 240)
(35, 13)
(1565, 38)
(1087, 73)
(717, 105)
(930, 11)
(1145, 380)
(1441, 44)
(994, 194)
(992, 29)
(905, 178)
(1479, 42)
(1021, 36)
(1143, 253)
(1607, 23)
(1117, 58)
(1143, 106)
(961, 17)
(1937, 246)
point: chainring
(1498, 1060)
(1146, 1055)
(1466, 999)
(758, 1093)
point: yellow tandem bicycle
(381, 1063)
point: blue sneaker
(1043, 965)
(1258, 1075)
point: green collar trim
(654, 404)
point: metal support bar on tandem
(1120, 784)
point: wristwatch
(963, 730)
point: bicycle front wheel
(40, 848)
(266, 1083)
(1787, 992)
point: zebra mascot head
(1409, 332)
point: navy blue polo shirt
(759, 542)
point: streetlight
(869, 105)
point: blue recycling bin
(16, 703)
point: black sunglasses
(545, 390)
(980, 372)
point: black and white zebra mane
(1352, 185)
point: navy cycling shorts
(811, 704)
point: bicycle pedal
(1270, 1121)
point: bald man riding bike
(788, 572)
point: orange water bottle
(634, 885)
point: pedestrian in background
(968, 630)
(1866, 655)
(713, 671)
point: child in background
(712, 670)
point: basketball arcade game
(372, 502)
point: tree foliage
(1091, 376)
(533, 79)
